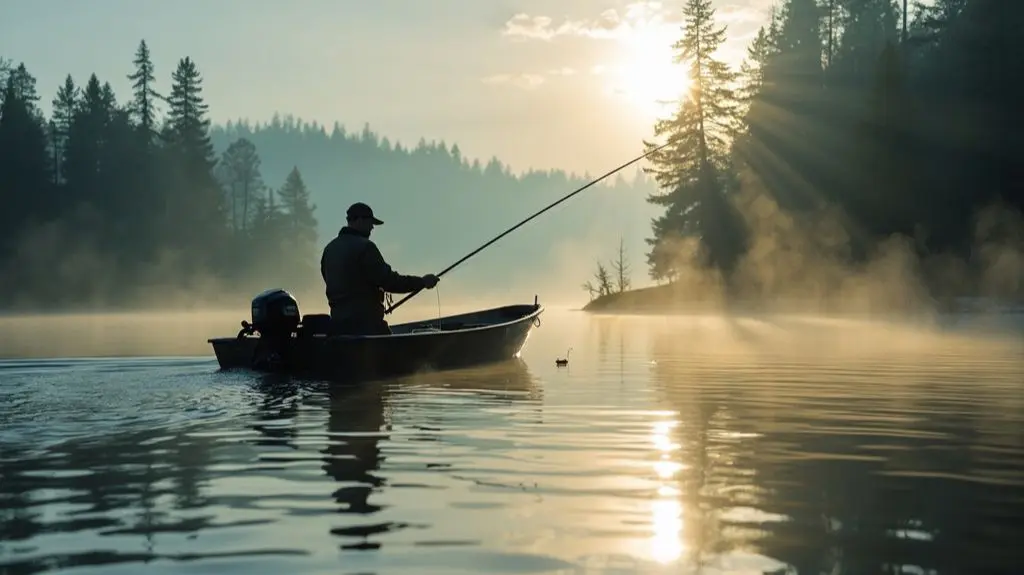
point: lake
(746, 445)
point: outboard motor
(275, 316)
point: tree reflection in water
(842, 461)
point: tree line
(420, 186)
(106, 200)
(884, 120)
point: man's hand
(430, 280)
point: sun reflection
(666, 543)
(666, 469)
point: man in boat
(357, 277)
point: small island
(858, 160)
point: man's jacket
(357, 278)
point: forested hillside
(439, 205)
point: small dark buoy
(560, 362)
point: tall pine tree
(693, 169)
(64, 105)
(144, 95)
(196, 208)
(25, 181)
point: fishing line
(438, 307)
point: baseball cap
(361, 210)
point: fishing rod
(520, 224)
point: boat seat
(316, 323)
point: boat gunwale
(538, 309)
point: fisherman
(357, 277)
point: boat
(279, 339)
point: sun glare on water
(646, 74)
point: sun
(646, 75)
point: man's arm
(380, 273)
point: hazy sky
(542, 83)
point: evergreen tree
(868, 26)
(188, 123)
(787, 121)
(239, 172)
(64, 108)
(144, 95)
(299, 219)
(82, 154)
(691, 170)
(25, 181)
(764, 47)
(196, 208)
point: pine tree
(25, 180)
(787, 122)
(144, 97)
(268, 240)
(195, 202)
(690, 171)
(64, 105)
(266, 217)
(188, 122)
(82, 152)
(762, 49)
(299, 213)
(239, 172)
(867, 27)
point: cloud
(609, 24)
(732, 14)
(565, 71)
(524, 81)
(528, 81)
(523, 26)
(637, 31)
(636, 17)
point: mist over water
(701, 443)
(167, 333)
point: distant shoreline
(671, 299)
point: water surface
(668, 445)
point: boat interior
(470, 320)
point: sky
(568, 84)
